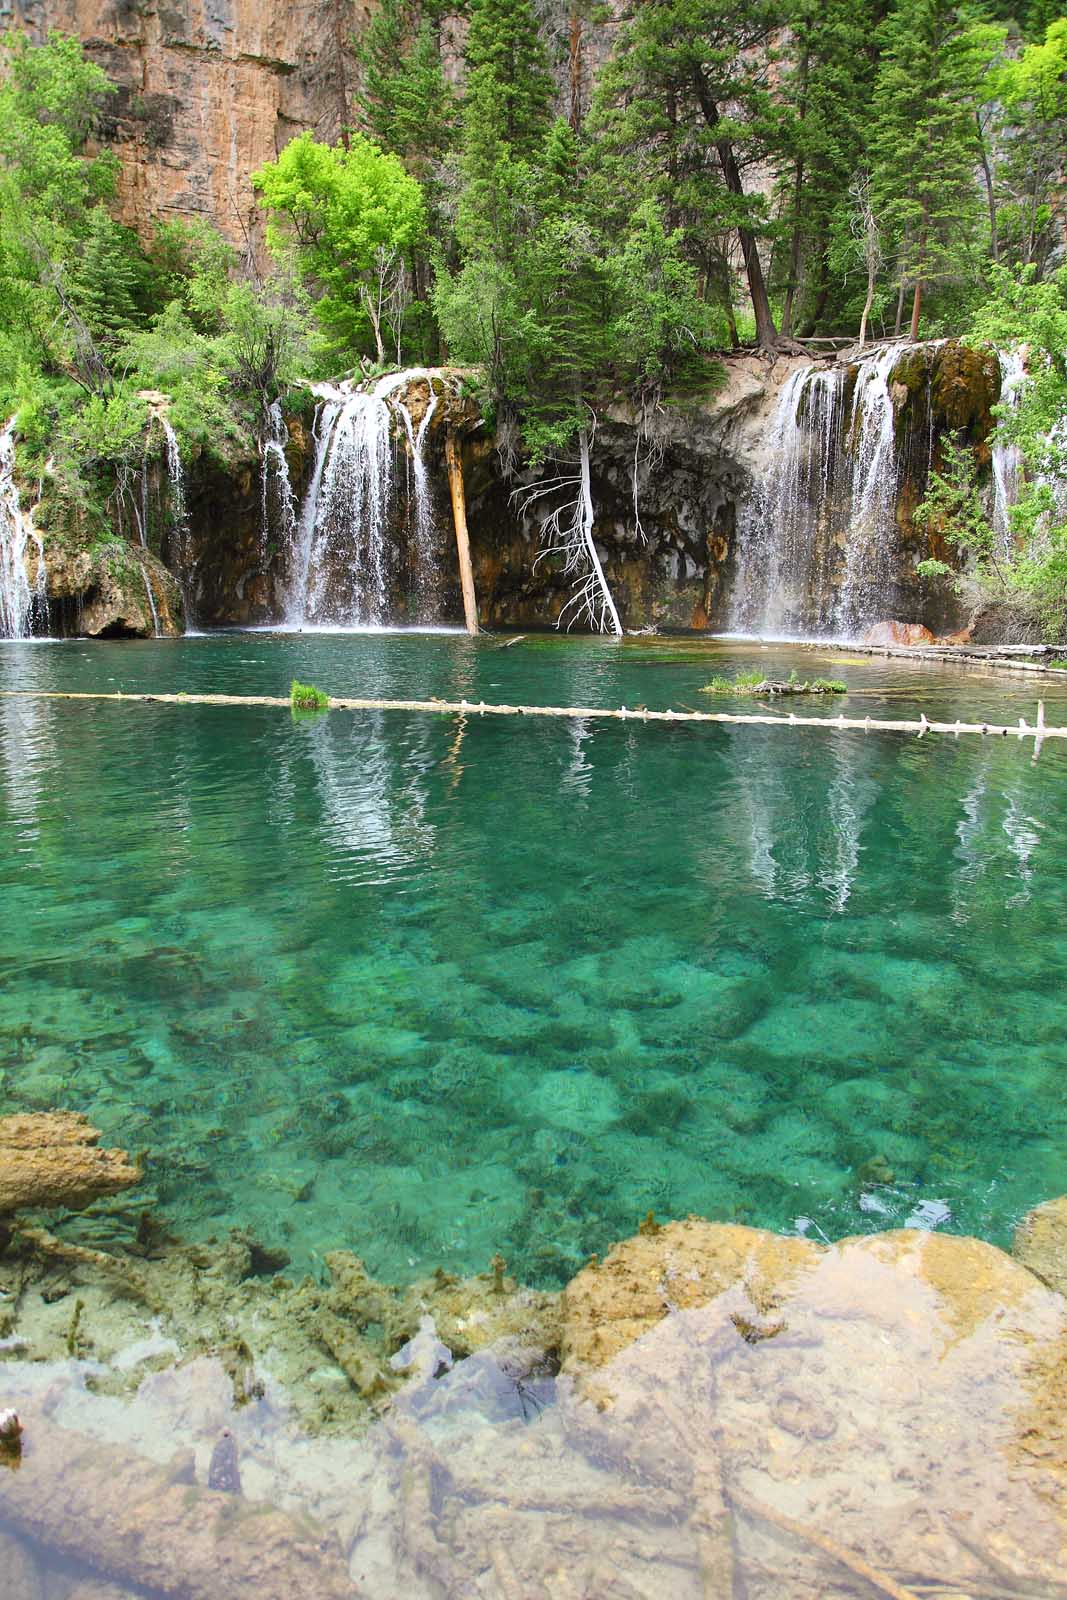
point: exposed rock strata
(207, 91)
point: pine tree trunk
(991, 199)
(766, 332)
(459, 516)
(916, 308)
(575, 56)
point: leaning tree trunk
(454, 464)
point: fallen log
(52, 1159)
(127, 1521)
(1039, 732)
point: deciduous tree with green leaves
(353, 214)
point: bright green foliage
(353, 213)
(1023, 312)
(305, 697)
(933, 76)
(953, 506)
(1032, 93)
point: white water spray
(22, 596)
(343, 556)
(1007, 458)
(426, 555)
(278, 501)
(819, 548)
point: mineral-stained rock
(117, 1514)
(52, 1159)
(469, 1313)
(1041, 1242)
(613, 1302)
(905, 633)
(103, 591)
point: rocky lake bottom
(428, 991)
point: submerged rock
(224, 1473)
(19, 1571)
(51, 1159)
(1040, 1242)
(672, 1268)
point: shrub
(305, 697)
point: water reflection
(805, 819)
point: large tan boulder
(1040, 1242)
(672, 1268)
(897, 1401)
(51, 1158)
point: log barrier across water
(1039, 730)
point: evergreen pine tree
(508, 73)
(686, 103)
(924, 140)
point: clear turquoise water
(432, 989)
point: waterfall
(871, 538)
(1007, 460)
(342, 554)
(178, 516)
(23, 601)
(819, 547)
(426, 555)
(276, 485)
(300, 565)
(780, 558)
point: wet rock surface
(103, 592)
(52, 1159)
(739, 1412)
(1040, 1243)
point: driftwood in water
(51, 1159)
(465, 708)
(127, 1521)
(454, 464)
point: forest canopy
(595, 201)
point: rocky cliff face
(207, 90)
(690, 520)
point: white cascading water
(426, 555)
(178, 515)
(818, 544)
(304, 532)
(22, 598)
(278, 501)
(778, 567)
(1007, 460)
(341, 557)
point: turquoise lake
(432, 988)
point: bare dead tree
(567, 531)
